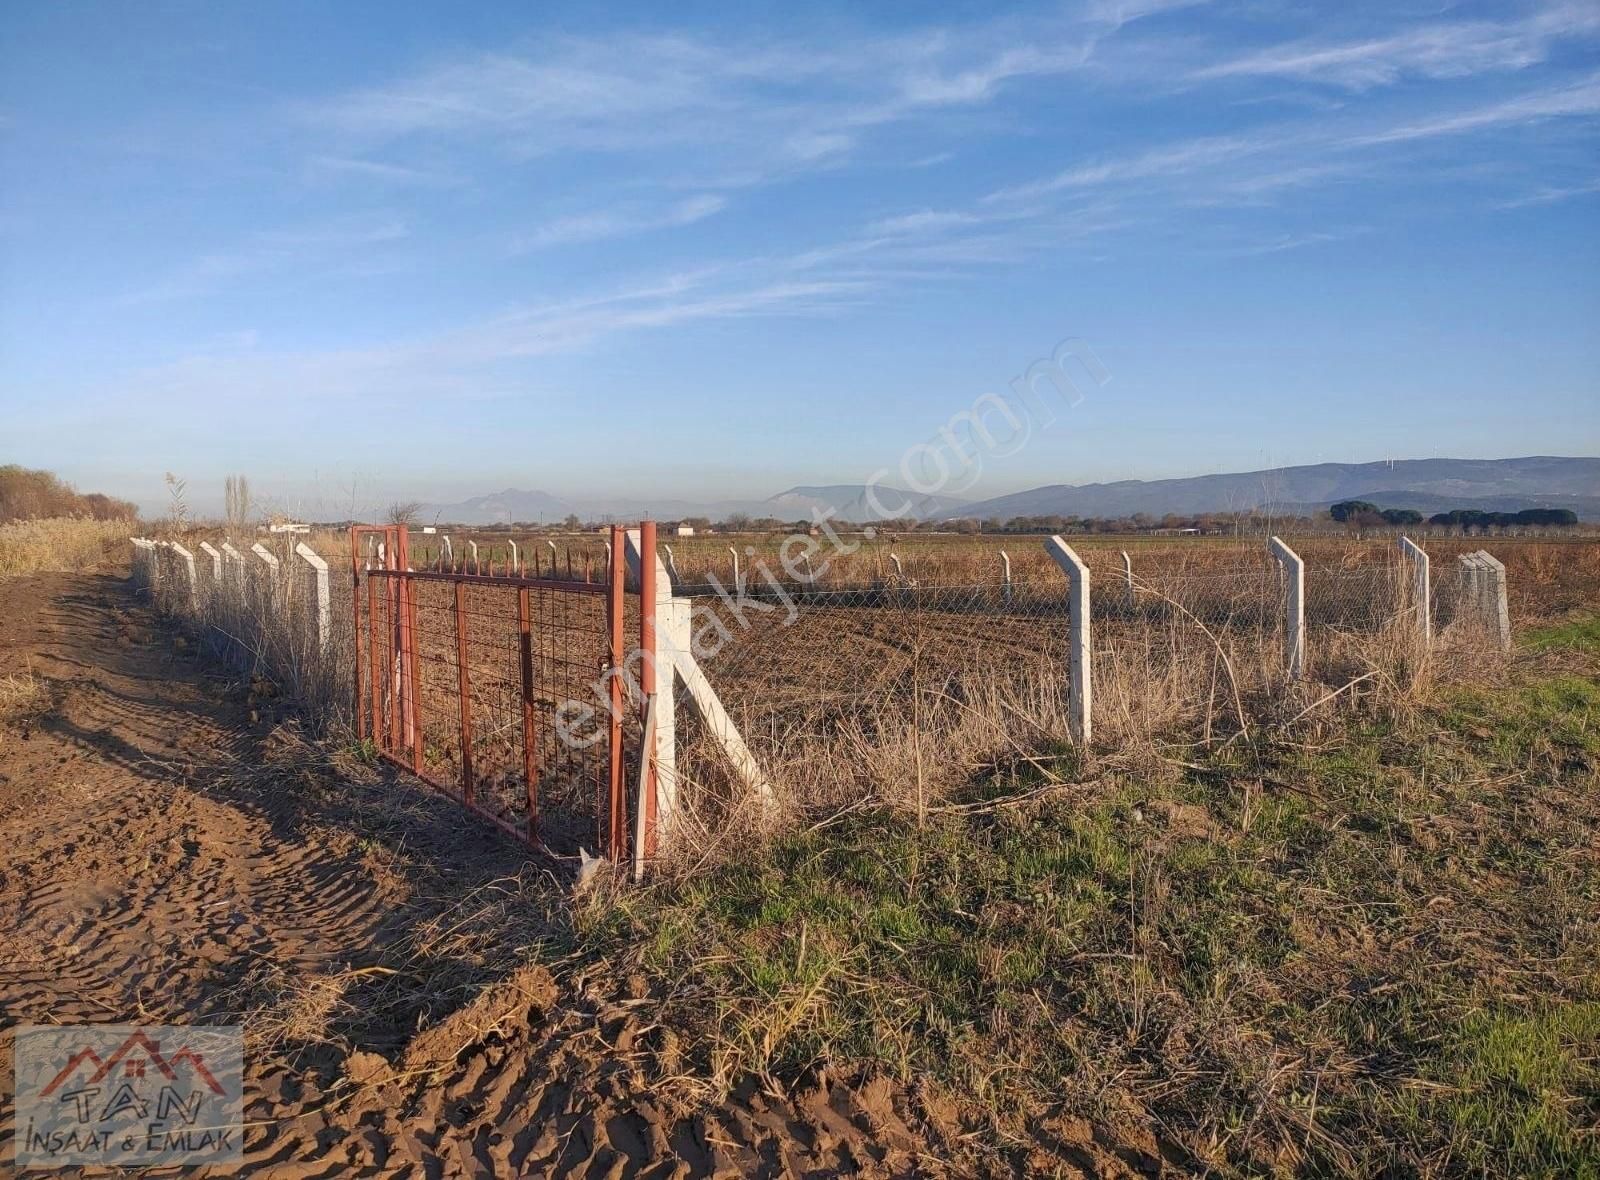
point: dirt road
(171, 852)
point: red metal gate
(509, 692)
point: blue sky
(363, 251)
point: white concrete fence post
(738, 584)
(210, 551)
(1080, 681)
(1486, 586)
(235, 574)
(319, 575)
(472, 549)
(672, 566)
(516, 560)
(1497, 589)
(269, 567)
(1421, 592)
(1127, 577)
(1294, 577)
(187, 560)
(1005, 576)
(144, 563)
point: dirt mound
(169, 858)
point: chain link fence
(894, 678)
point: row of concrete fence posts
(228, 566)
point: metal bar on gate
(568, 585)
(414, 662)
(529, 776)
(406, 601)
(464, 686)
(355, 622)
(618, 834)
(395, 650)
(374, 692)
(647, 667)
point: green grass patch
(1581, 634)
(1517, 1093)
(1385, 927)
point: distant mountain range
(1427, 485)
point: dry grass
(61, 544)
(24, 698)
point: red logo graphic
(134, 1066)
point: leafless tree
(236, 501)
(404, 512)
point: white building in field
(683, 530)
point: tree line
(26, 494)
(1365, 513)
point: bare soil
(170, 853)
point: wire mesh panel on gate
(496, 689)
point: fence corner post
(1294, 570)
(657, 621)
(1488, 580)
(1417, 558)
(1080, 685)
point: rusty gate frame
(398, 651)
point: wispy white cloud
(305, 249)
(613, 223)
(1279, 243)
(1439, 50)
(1169, 160)
(1296, 154)
(1551, 194)
(346, 166)
(770, 105)
(1582, 98)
